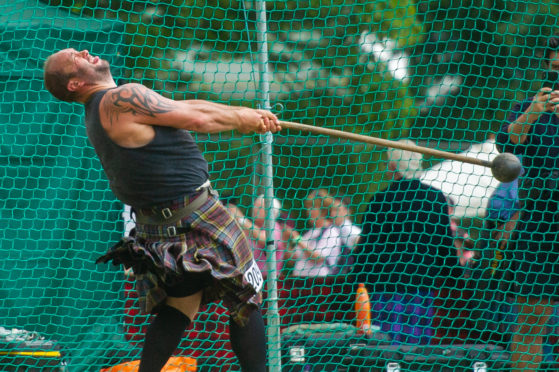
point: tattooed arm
(134, 104)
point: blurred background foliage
(494, 46)
(447, 72)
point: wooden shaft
(385, 143)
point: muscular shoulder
(128, 113)
(133, 102)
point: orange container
(363, 310)
(175, 364)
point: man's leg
(165, 332)
(249, 342)
(527, 342)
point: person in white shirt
(341, 218)
(317, 251)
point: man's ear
(74, 84)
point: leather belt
(168, 216)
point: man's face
(315, 213)
(81, 64)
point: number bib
(254, 277)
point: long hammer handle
(385, 143)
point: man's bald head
(70, 75)
(57, 72)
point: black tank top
(168, 168)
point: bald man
(193, 252)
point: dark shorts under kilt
(214, 245)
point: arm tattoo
(136, 100)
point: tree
(494, 47)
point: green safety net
(438, 74)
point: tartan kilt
(215, 243)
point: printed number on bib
(254, 276)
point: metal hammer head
(506, 167)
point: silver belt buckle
(171, 231)
(166, 213)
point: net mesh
(440, 74)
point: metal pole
(272, 314)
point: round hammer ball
(506, 167)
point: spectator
(342, 218)
(232, 204)
(491, 308)
(257, 233)
(406, 243)
(500, 219)
(316, 253)
(531, 132)
(349, 233)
